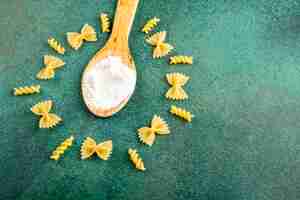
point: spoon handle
(124, 17)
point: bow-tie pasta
(161, 47)
(51, 64)
(87, 33)
(47, 120)
(177, 81)
(89, 147)
(158, 126)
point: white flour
(108, 83)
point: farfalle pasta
(136, 159)
(105, 23)
(54, 44)
(161, 47)
(89, 147)
(60, 150)
(182, 113)
(87, 33)
(47, 120)
(174, 60)
(177, 81)
(158, 126)
(27, 90)
(150, 25)
(51, 64)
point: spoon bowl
(109, 79)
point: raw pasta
(150, 25)
(47, 120)
(54, 44)
(105, 23)
(89, 147)
(27, 90)
(75, 39)
(174, 60)
(158, 126)
(161, 48)
(176, 80)
(60, 150)
(51, 64)
(182, 113)
(136, 160)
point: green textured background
(244, 90)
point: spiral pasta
(47, 120)
(158, 126)
(177, 81)
(161, 47)
(54, 44)
(136, 159)
(174, 60)
(27, 90)
(105, 23)
(87, 33)
(182, 113)
(89, 147)
(152, 23)
(60, 150)
(51, 64)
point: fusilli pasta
(161, 48)
(89, 147)
(180, 112)
(60, 150)
(158, 126)
(152, 23)
(51, 64)
(105, 23)
(27, 90)
(54, 44)
(47, 120)
(136, 159)
(176, 80)
(174, 60)
(87, 33)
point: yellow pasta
(27, 90)
(136, 160)
(87, 33)
(177, 81)
(60, 150)
(161, 48)
(51, 64)
(105, 23)
(152, 23)
(180, 112)
(47, 120)
(54, 44)
(158, 126)
(89, 147)
(174, 60)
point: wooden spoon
(116, 46)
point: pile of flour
(106, 84)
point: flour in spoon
(109, 82)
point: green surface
(244, 90)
